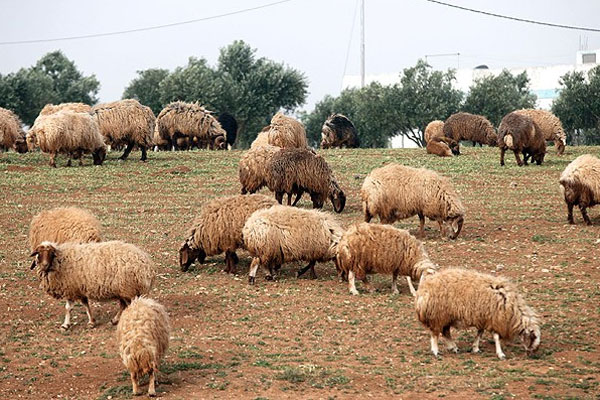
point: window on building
(589, 58)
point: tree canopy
(145, 88)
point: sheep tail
(508, 141)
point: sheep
(580, 185)
(458, 298)
(218, 228)
(395, 192)
(281, 234)
(179, 119)
(12, 135)
(370, 248)
(550, 126)
(465, 126)
(434, 129)
(262, 138)
(70, 133)
(93, 271)
(286, 132)
(126, 122)
(299, 170)
(521, 134)
(230, 125)
(75, 107)
(253, 167)
(143, 337)
(439, 146)
(338, 131)
(64, 224)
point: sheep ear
(35, 253)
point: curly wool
(465, 126)
(520, 133)
(188, 119)
(64, 224)
(12, 135)
(253, 167)
(338, 131)
(438, 146)
(286, 132)
(125, 121)
(434, 129)
(580, 184)
(549, 125)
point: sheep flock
(76, 257)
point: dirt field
(299, 338)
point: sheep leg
(394, 286)
(421, 226)
(368, 216)
(151, 384)
(298, 197)
(127, 151)
(123, 305)
(67, 322)
(351, 284)
(518, 158)
(311, 266)
(232, 260)
(570, 213)
(279, 197)
(411, 287)
(584, 214)
(88, 311)
(526, 157)
(502, 150)
(434, 344)
(69, 162)
(289, 203)
(476, 342)
(499, 352)
(442, 230)
(253, 268)
(450, 344)
(134, 384)
(367, 285)
(144, 156)
(52, 161)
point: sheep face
(454, 146)
(187, 256)
(99, 155)
(219, 143)
(453, 226)
(21, 146)
(560, 147)
(531, 339)
(44, 255)
(31, 140)
(338, 199)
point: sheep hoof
(114, 321)
(269, 278)
(354, 292)
(501, 357)
(91, 324)
(475, 350)
(65, 327)
(454, 350)
(251, 280)
(153, 394)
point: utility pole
(362, 43)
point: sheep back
(125, 121)
(338, 131)
(549, 125)
(12, 135)
(434, 129)
(188, 119)
(520, 133)
(64, 224)
(252, 168)
(439, 147)
(466, 126)
(75, 107)
(580, 181)
(286, 131)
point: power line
(530, 21)
(149, 28)
(349, 42)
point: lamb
(12, 135)
(93, 271)
(369, 248)
(230, 125)
(75, 107)
(465, 126)
(395, 192)
(143, 337)
(439, 146)
(253, 167)
(580, 185)
(179, 119)
(126, 122)
(521, 134)
(299, 170)
(70, 133)
(64, 224)
(287, 132)
(281, 234)
(218, 228)
(434, 129)
(338, 131)
(458, 298)
(550, 126)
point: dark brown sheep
(470, 127)
(521, 134)
(338, 131)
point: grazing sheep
(439, 146)
(471, 127)
(126, 122)
(395, 192)
(372, 248)
(458, 298)
(218, 229)
(550, 126)
(262, 139)
(93, 271)
(64, 224)
(70, 133)
(75, 107)
(434, 129)
(12, 135)
(580, 185)
(143, 337)
(230, 125)
(338, 131)
(283, 234)
(299, 170)
(253, 167)
(179, 119)
(521, 134)
(286, 132)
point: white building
(543, 81)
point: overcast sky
(309, 35)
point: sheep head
(337, 197)
(31, 140)
(187, 255)
(454, 146)
(99, 155)
(44, 255)
(560, 147)
(220, 143)
(453, 226)
(530, 337)
(21, 145)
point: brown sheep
(580, 185)
(287, 132)
(471, 127)
(395, 192)
(64, 224)
(550, 125)
(126, 122)
(75, 107)
(373, 248)
(338, 131)
(298, 170)
(12, 135)
(253, 168)
(434, 129)
(218, 229)
(439, 146)
(143, 337)
(462, 298)
(521, 134)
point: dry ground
(299, 338)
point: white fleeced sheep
(580, 185)
(12, 135)
(64, 224)
(287, 132)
